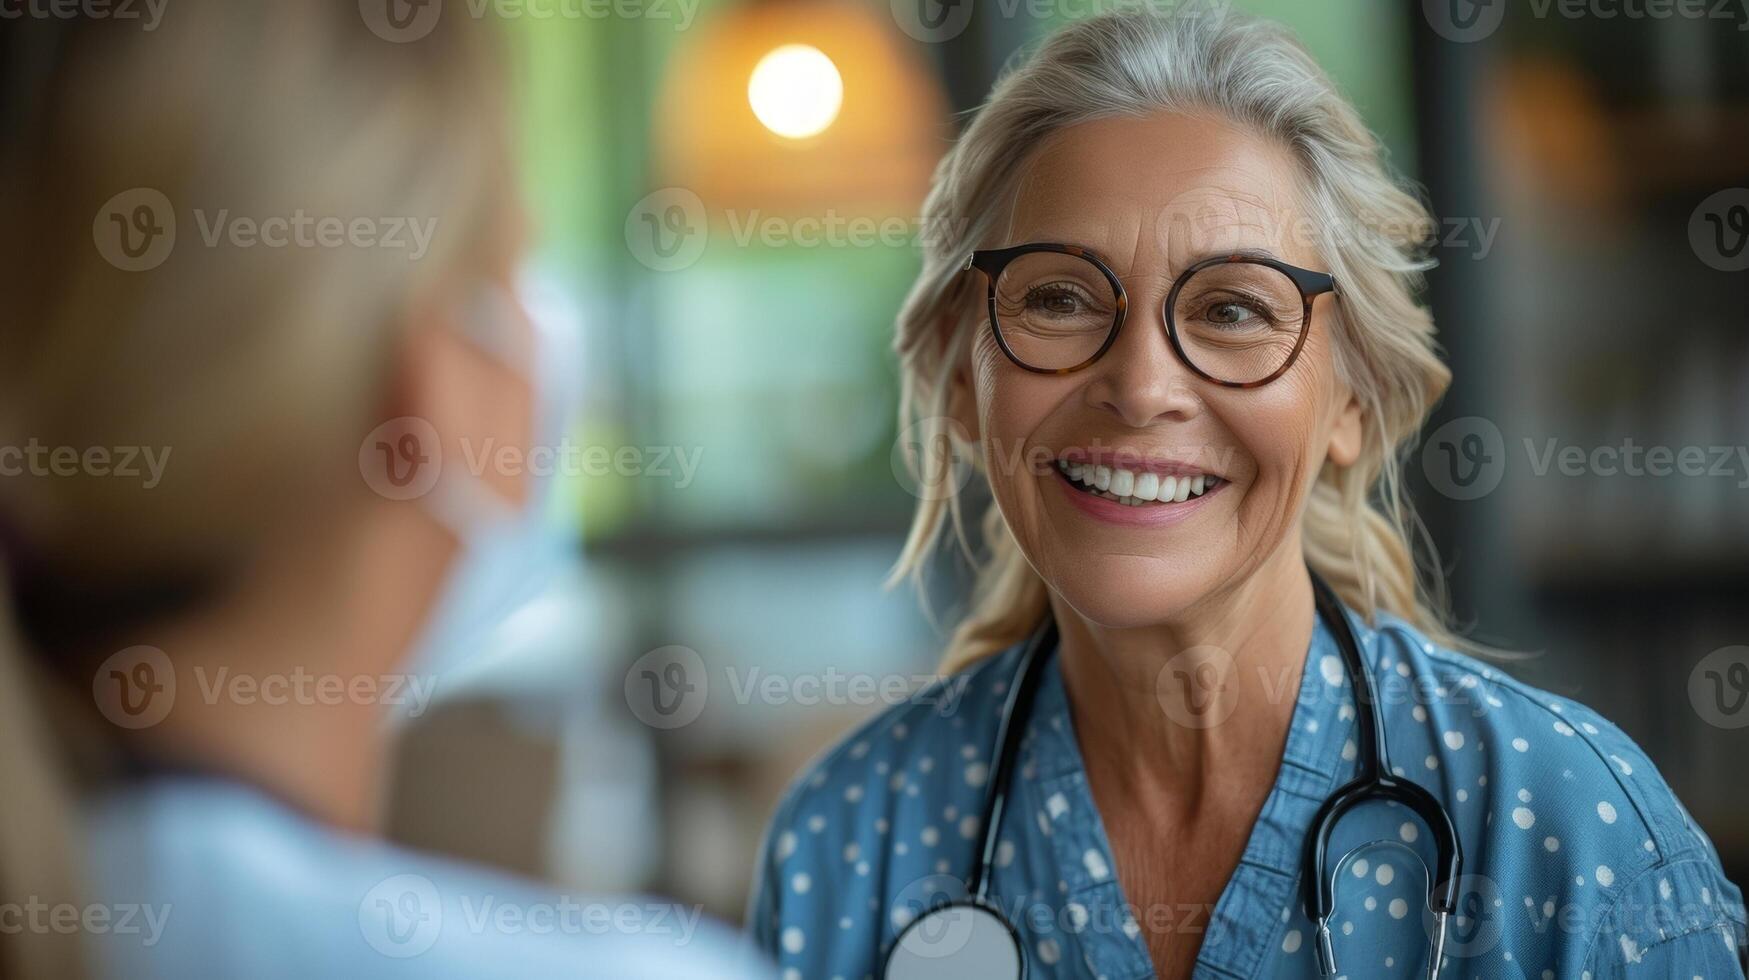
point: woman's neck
(284, 683)
(1174, 711)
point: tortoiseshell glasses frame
(1311, 284)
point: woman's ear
(962, 398)
(962, 404)
(1346, 431)
(465, 372)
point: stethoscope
(970, 937)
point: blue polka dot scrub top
(1579, 861)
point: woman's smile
(1129, 489)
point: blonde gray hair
(1194, 59)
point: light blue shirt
(203, 877)
(1579, 860)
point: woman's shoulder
(1537, 780)
(1557, 739)
(217, 878)
(919, 748)
(904, 791)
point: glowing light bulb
(796, 91)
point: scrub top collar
(1263, 891)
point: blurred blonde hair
(1195, 59)
(259, 368)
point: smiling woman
(1180, 336)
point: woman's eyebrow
(1175, 266)
(1255, 252)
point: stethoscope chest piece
(958, 941)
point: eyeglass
(1237, 320)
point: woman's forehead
(1167, 187)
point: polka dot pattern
(1549, 800)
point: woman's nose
(1141, 379)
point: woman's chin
(1122, 602)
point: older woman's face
(1151, 196)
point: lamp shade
(800, 107)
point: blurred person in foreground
(257, 269)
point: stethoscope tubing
(1374, 781)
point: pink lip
(1135, 462)
(1148, 515)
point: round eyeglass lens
(1239, 322)
(1054, 310)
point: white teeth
(1134, 488)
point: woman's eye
(1235, 313)
(1055, 300)
(1228, 312)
